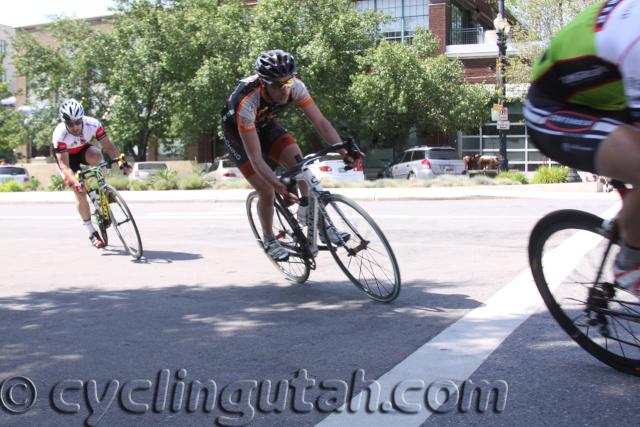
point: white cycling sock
(628, 256)
(89, 226)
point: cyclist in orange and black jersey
(251, 130)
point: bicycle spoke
(607, 322)
(366, 258)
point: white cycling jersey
(64, 141)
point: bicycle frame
(317, 194)
(96, 171)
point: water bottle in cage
(92, 187)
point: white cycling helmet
(71, 110)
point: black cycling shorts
(274, 138)
(77, 159)
(568, 133)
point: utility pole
(502, 28)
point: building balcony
(476, 42)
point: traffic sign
(503, 124)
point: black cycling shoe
(96, 241)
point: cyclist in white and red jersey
(71, 143)
(251, 130)
(583, 109)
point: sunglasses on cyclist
(279, 85)
(73, 122)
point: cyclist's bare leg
(288, 160)
(93, 156)
(619, 157)
(265, 203)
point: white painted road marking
(459, 350)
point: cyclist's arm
(63, 164)
(109, 147)
(113, 153)
(251, 143)
(320, 123)
(325, 128)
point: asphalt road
(205, 304)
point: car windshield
(151, 166)
(12, 171)
(442, 154)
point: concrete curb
(577, 191)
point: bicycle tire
(102, 229)
(121, 216)
(596, 314)
(372, 256)
(297, 267)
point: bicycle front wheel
(123, 223)
(298, 266)
(361, 249)
(601, 317)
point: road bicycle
(109, 208)
(355, 241)
(602, 317)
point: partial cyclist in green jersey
(583, 109)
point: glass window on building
(407, 16)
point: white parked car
(427, 162)
(142, 171)
(14, 173)
(223, 169)
(332, 167)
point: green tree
(203, 63)
(12, 132)
(538, 22)
(401, 86)
(75, 67)
(326, 37)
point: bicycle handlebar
(104, 163)
(348, 144)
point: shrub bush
(550, 175)
(513, 176)
(118, 183)
(56, 183)
(192, 182)
(11, 186)
(33, 184)
(138, 185)
(166, 179)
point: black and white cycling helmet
(71, 110)
(275, 64)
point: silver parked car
(14, 173)
(146, 170)
(223, 169)
(427, 162)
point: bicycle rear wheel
(601, 317)
(298, 266)
(366, 256)
(123, 223)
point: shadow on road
(155, 257)
(228, 333)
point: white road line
(460, 349)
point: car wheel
(411, 176)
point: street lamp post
(502, 29)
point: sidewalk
(583, 190)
